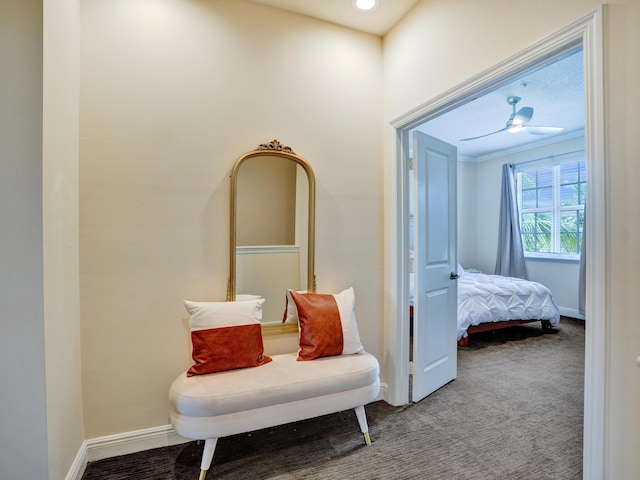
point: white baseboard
(122, 444)
(570, 312)
(132, 442)
(383, 394)
(79, 464)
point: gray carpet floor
(514, 412)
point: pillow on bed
(461, 271)
(225, 335)
(327, 324)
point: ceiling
(341, 12)
(555, 91)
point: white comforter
(492, 298)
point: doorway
(556, 89)
(585, 33)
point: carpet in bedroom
(514, 412)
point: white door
(435, 265)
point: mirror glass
(272, 229)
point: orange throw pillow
(326, 324)
(225, 336)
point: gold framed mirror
(272, 235)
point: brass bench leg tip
(367, 439)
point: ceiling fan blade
(523, 116)
(481, 136)
(533, 130)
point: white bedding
(492, 298)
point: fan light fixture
(365, 4)
(519, 122)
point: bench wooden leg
(362, 421)
(207, 456)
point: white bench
(207, 407)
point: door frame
(587, 31)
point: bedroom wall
(560, 276)
(467, 216)
(172, 93)
(452, 40)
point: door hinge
(412, 164)
(411, 368)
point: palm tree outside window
(551, 197)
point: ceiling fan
(518, 122)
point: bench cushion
(281, 381)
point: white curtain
(510, 261)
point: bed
(490, 302)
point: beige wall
(442, 43)
(623, 256)
(172, 93)
(65, 428)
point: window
(551, 198)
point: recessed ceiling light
(365, 4)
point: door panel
(437, 207)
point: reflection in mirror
(272, 229)
(266, 201)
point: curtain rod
(548, 158)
